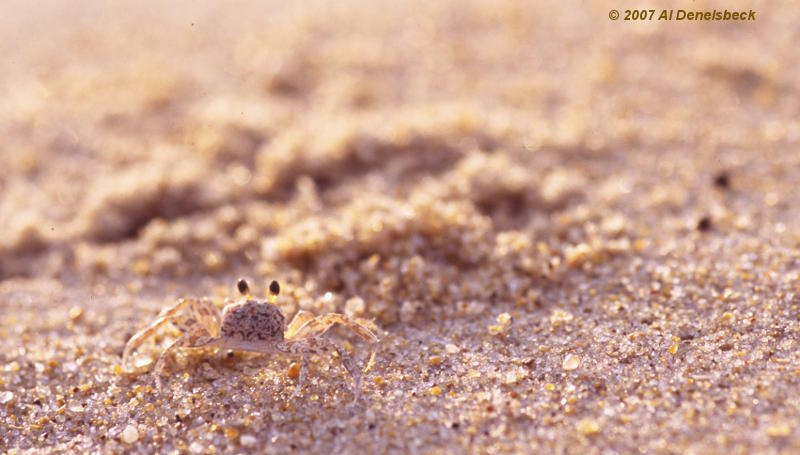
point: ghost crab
(254, 325)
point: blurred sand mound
(616, 200)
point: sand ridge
(574, 234)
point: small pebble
(578, 254)
(129, 435)
(231, 433)
(76, 407)
(504, 319)
(779, 430)
(588, 427)
(75, 313)
(196, 447)
(673, 349)
(503, 323)
(6, 397)
(571, 362)
(294, 370)
(451, 348)
(559, 317)
(354, 306)
(247, 440)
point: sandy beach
(571, 234)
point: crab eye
(274, 288)
(242, 286)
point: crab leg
(352, 369)
(207, 315)
(310, 346)
(319, 325)
(298, 320)
(164, 317)
(188, 340)
(301, 378)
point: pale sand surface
(627, 193)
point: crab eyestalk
(243, 287)
(274, 290)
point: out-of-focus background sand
(575, 234)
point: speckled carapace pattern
(575, 235)
(253, 320)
